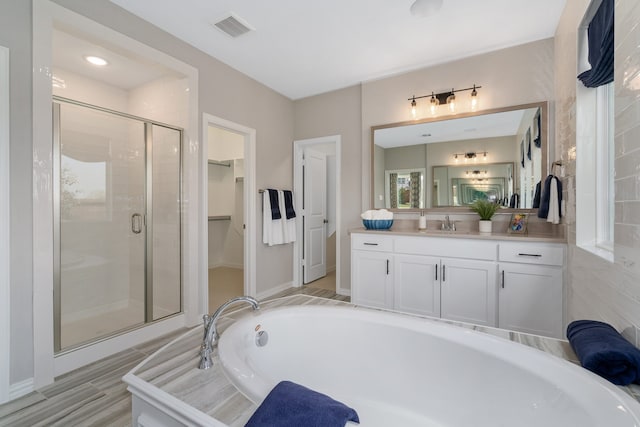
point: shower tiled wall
(598, 289)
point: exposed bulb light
(424, 8)
(451, 102)
(474, 99)
(96, 60)
(434, 103)
(449, 98)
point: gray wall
(338, 113)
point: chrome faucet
(448, 225)
(211, 336)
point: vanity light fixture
(96, 60)
(448, 98)
(471, 155)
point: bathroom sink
(444, 232)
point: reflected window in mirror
(450, 148)
(404, 189)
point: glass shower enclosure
(117, 219)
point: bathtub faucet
(210, 338)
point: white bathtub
(397, 370)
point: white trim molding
(250, 192)
(5, 241)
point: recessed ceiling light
(96, 60)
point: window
(595, 202)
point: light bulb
(413, 107)
(96, 60)
(451, 102)
(434, 104)
(474, 99)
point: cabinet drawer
(447, 247)
(371, 242)
(531, 253)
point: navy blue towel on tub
(292, 405)
(602, 350)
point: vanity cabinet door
(371, 279)
(469, 291)
(417, 284)
(531, 299)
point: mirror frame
(544, 136)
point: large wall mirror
(450, 161)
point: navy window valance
(600, 34)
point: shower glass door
(117, 230)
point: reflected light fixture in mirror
(413, 107)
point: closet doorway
(230, 207)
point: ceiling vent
(233, 26)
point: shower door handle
(136, 223)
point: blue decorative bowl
(377, 224)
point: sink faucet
(448, 225)
(211, 336)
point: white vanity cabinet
(516, 285)
(371, 263)
(531, 288)
(409, 274)
(416, 284)
(468, 291)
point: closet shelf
(218, 163)
(220, 218)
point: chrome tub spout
(210, 338)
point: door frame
(250, 240)
(298, 248)
(5, 248)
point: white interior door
(315, 215)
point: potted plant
(486, 209)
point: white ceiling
(125, 70)
(301, 48)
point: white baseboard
(273, 291)
(21, 388)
